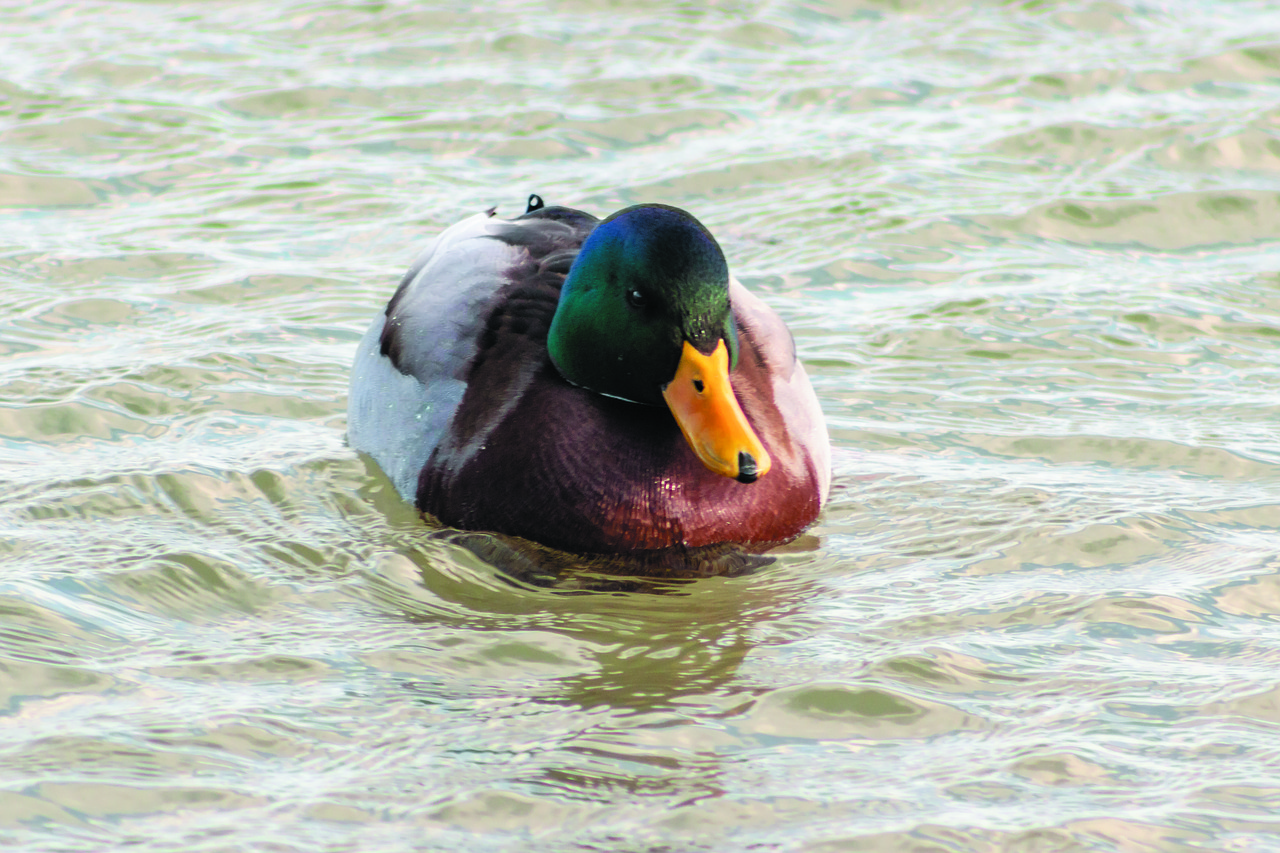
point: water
(1030, 252)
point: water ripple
(1028, 251)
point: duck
(594, 386)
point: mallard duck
(595, 386)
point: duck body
(458, 390)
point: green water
(1030, 252)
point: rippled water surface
(1030, 251)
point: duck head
(644, 315)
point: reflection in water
(643, 643)
(528, 563)
(640, 664)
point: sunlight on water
(1029, 252)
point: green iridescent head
(648, 279)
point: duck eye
(636, 299)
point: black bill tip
(747, 469)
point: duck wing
(412, 365)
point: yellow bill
(704, 405)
